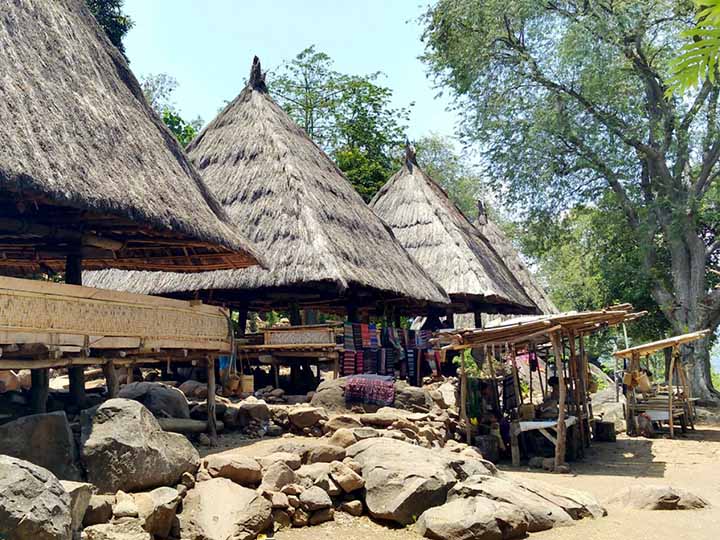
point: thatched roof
(446, 244)
(513, 261)
(284, 193)
(86, 166)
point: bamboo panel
(57, 314)
(296, 335)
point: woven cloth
(370, 390)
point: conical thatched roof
(284, 193)
(446, 244)
(85, 165)
(512, 260)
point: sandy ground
(690, 462)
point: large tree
(569, 103)
(158, 89)
(109, 14)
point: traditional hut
(510, 256)
(87, 169)
(328, 249)
(442, 240)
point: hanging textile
(509, 395)
(370, 390)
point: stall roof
(86, 167)
(649, 348)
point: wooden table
(520, 426)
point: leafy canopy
(110, 16)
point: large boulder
(315, 498)
(122, 529)
(578, 504)
(43, 439)
(330, 395)
(33, 503)
(306, 417)
(124, 448)
(99, 510)
(219, 509)
(642, 497)
(162, 400)
(242, 470)
(403, 480)
(277, 476)
(473, 519)
(80, 494)
(411, 398)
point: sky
(208, 47)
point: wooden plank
(654, 346)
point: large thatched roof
(446, 244)
(284, 193)
(514, 262)
(86, 167)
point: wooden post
(561, 428)
(211, 423)
(478, 319)
(295, 318)
(242, 312)
(352, 312)
(671, 390)
(463, 397)
(574, 367)
(111, 379)
(516, 377)
(40, 388)
(76, 374)
(584, 384)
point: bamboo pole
(671, 391)
(561, 428)
(463, 398)
(211, 422)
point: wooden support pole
(556, 339)
(463, 398)
(295, 317)
(111, 378)
(39, 391)
(574, 368)
(76, 374)
(211, 422)
(352, 312)
(242, 312)
(675, 358)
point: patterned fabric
(508, 393)
(412, 365)
(370, 390)
(360, 362)
(348, 365)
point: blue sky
(208, 47)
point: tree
(440, 159)
(348, 116)
(110, 16)
(569, 102)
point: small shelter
(328, 250)
(443, 242)
(91, 178)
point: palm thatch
(286, 195)
(447, 245)
(513, 261)
(86, 167)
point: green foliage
(438, 156)
(183, 131)
(109, 15)
(698, 60)
(348, 116)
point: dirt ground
(690, 461)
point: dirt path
(691, 462)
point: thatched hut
(510, 256)
(447, 245)
(327, 249)
(87, 169)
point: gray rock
(300, 518)
(343, 438)
(643, 497)
(341, 421)
(354, 508)
(219, 509)
(253, 409)
(282, 519)
(578, 504)
(290, 459)
(125, 506)
(43, 439)
(80, 494)
(345, 477)
(33, 503)
(156, 509)
(473, 519)
(240, 469)
(99, 510)
(321, 516)
(161, 400)
(328, 485)
(308, 475)
(277, 476)
(306, 417)
(325, 453)
(279, 500)
(315, 498)
(411, 398)
(123, 529)
(118, 458)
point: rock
(292, 489)
(187, 480)
(33, 503)
(194, 389)
(449, 393)
(9, 381)
(219, 509)
(477, 518)
(354, 465)
(345, 477)
(277, 392)
(403, 480)
(325, 453)
(341, 422)
(80, 493)
(161, 400)
(99, 510)
(328, 485)
(291, 460)
(156, 509)
(282, 519)
(548, 464)
(541, 513)
(200, 411)
(279, 500)
(294, 501)
(125, 505)
(578, 504)
(536, 462)
(277, 476)
(308, 475)
(300, 518)
(354, 508)
(124, 529)
(253, 409)
(321, 516)
(204, 440)
(411, 398)
(240, 469)
(25, 379)
(306, 417)
(43, 439)
(118, 458)
(643, 497)
(365, 433)
(315, 498)
(273, 430)
(379, 420)
(343, 438)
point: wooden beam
(556, 339)
(40, 380)
(211, 422)
(111, 379)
